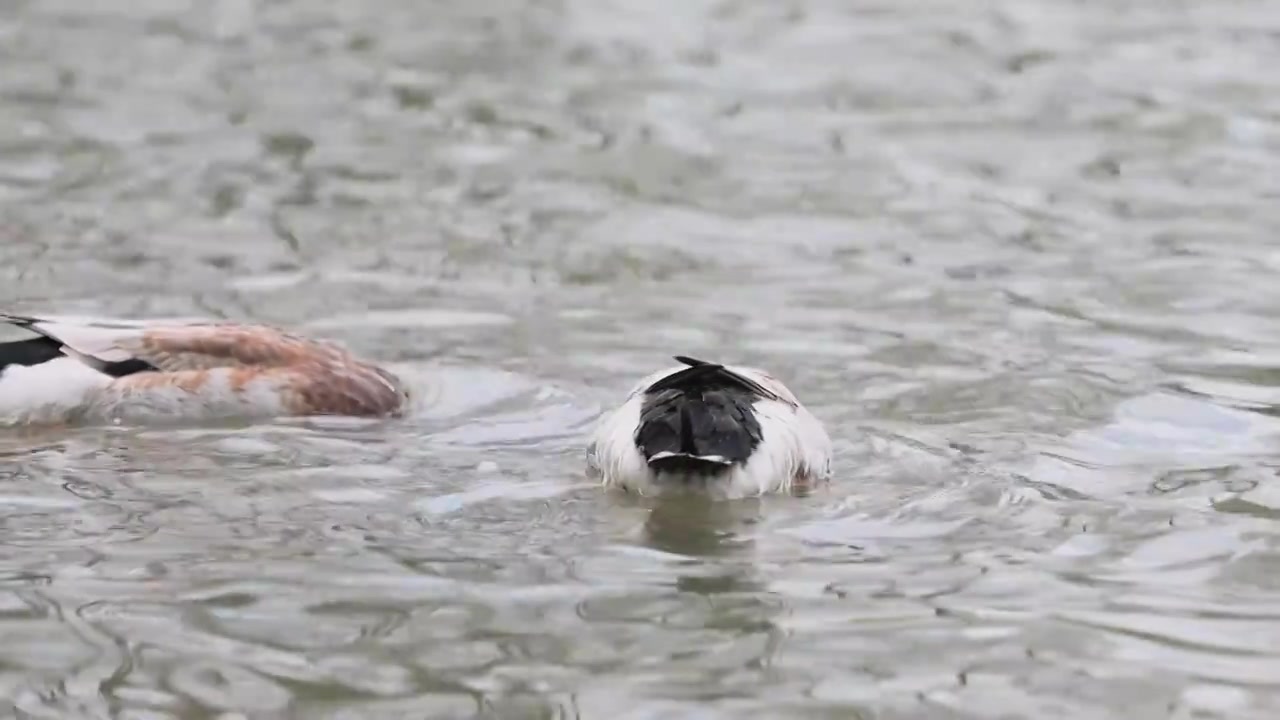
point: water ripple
(1019, 257)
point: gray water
(1020, 257)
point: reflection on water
(1020, 257)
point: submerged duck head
(701, 427)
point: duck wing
(122, 347)
(103, 345)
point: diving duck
(701, 427)
(80, 370)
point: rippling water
(1020, 257)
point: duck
(86, 370)
(705, 428)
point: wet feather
(114, 369)
(709, 428)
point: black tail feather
(701, 373)
(699, 419)
(42, 349)
(33, 351)
(688, 443)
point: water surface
(1019, 256)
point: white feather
(47, 393)
(720, 459)
(213, 400)
(612, 455)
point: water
(1019, 256)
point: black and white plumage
(729, 432)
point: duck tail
(704, 424)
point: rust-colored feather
(347, 390)
(311, 377)
(207, 346)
